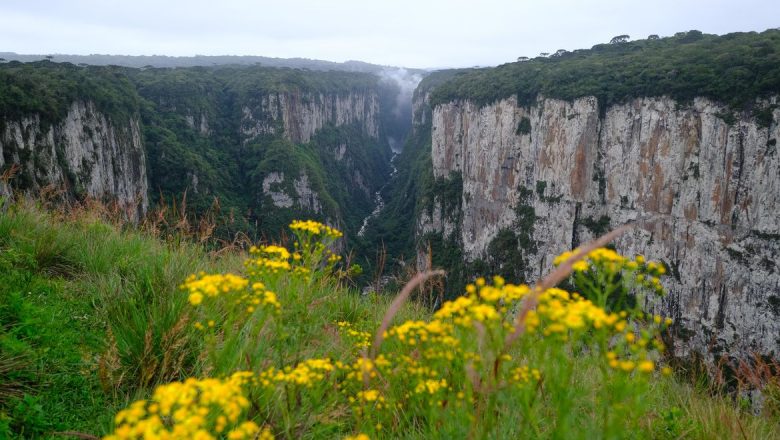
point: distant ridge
(139, 61)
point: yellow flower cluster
(363, 368)
(465, 309)
(234, 288)
(212, 286)
(275, 252)
(271, 260)
(434, 339)
(523, 374)
(367, 399)
(430, 386)
(195, 409)
(422, 364)
(644, 272)
(262, 265)
(315, 228)
(558, 312)
(360, 339)
(306, 373)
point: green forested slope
(734, 69)
(220, 172)
(48, 89)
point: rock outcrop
(86, 153)
(703, 192)
(298, 115)
(300, 195)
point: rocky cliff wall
(703, 192)
(298, 115)
(86, 153)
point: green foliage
(728, 117)
(447, 192)
(685, 66)
(199, 155)
(28, 417)
(229, 166)
(541, 185)
(46, 327)
(525, 219)
(505, 256)
(77, 301)
(597, 227)
(524, 127)
(764, 116)
(48, 89)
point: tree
(544, 54)
(619, 39)
(690, 36)
(559, 52)
(522, 59)
(653, 37)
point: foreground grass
(92, 318)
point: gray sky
(418, 33)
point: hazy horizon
(402, 33)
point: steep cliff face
(704, 194)
(303, 197)
(299, 115)
(86, 153)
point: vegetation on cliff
(198, 155)
(47, 89)
(684, 66)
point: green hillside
(215, 171)
(734, 68)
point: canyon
(497, 175)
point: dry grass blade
(395, 306)
(11, 388)
(109, 363)
(173, 343)
(555, 277)
(148, 361)
(10, 173)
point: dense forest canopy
(734, 69)
(48, 89)
(199, 60)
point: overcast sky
(418, 33)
